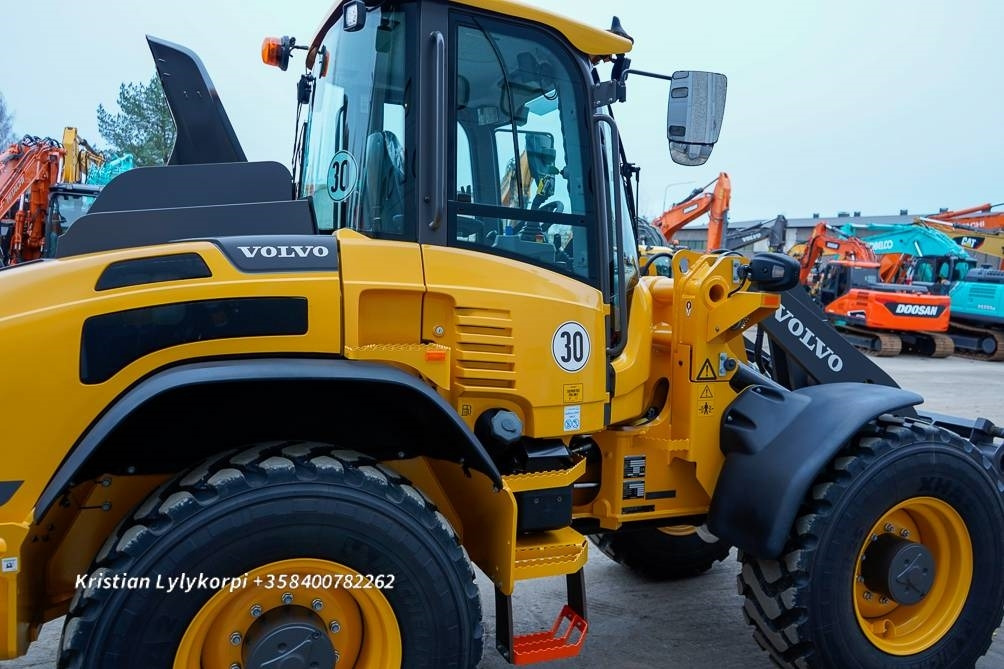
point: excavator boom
(80, 158)
(30, 172)
(986, 241)
(28, 168)
(773, 230)
(981, 216)
(827, 240)
(715, 204)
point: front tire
(924, 507)
(276, 512)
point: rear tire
(280, 505)
(813, 607)
(662, 554)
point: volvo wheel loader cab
(275, 447)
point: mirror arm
(643, 73)
(615, 90)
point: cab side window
(520, 148)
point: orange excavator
(29, 169)
(844, 275)
(700, 201)
(981, 216)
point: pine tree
(143, 127)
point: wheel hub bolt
(904, 533)
(235, 666)
(256, 610)
(235, 639)
(883, 600)
(334, 627)
(287, 598)
(317, 605)
(868, 595)
(889, 527)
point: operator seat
(383, 184)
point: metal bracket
(609, 92)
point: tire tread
(773, 606)
(224, 475)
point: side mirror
(773, 272)
(694, 117)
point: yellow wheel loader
(280, 419)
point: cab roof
(587, 39)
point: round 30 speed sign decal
(570, 346)
(342, 176)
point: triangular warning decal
(707, 372)
(706, 394)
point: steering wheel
(555, 207)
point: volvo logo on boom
(809, 339)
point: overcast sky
(857, 105)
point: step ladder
(557, 552)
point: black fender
(775, 443)
(401, 401)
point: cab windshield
(941, 269)
(66, 209)
(358, 130)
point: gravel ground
(696, 623)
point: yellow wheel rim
(678, 530)
(359, 621)
(902, 629)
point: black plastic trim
(110, 342)
(776, 442)
(451, 440)
(168, 186)
(153, 269)
(7, 490)
(205, 134)
(107, 231)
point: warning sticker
(707, 372)
(573, 418)
(10, 564)
(706, 394)
(572, 393)
(706, 408)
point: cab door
(515, 288)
